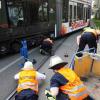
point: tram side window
(27, 12)
(52, 11)
(89, 12)
(35, 11)
(79, 11)
(0, 12)
(30, 11)
(15, 13)
(70, 13)
(15, 16)
(82, 8)
(86, 14)
(43, 10)
(74, 12)
(65, 10)
(3, 16)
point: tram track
(56, 46)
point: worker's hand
(78, 39)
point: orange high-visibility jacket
(75, 87)
(27, 80)
(93, 31)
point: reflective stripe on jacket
(27, 80)
(75, 87)
(93, 31)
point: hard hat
(28, 65)
(56, 62)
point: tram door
(72, 13)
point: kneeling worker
(46, 46)
(28, 82)
(65, 84)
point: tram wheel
(15, 47)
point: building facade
(96, 8)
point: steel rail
(12, 94)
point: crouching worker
(46, 46)
(28, 82)
(88, 37)
(65, 84)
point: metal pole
(58, 16)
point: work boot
(34, 61)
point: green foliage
(97, 22)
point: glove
(49, 95)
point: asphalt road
(9, 66)
(68, 47)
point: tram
(32, 19)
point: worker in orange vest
(88, 37)
(28, 82)
(65, 84)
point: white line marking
(4, 68)
(9, 65)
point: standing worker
(65, 84)
(24, 50)
(28, 82)
(89, 37)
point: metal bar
(11, 95)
